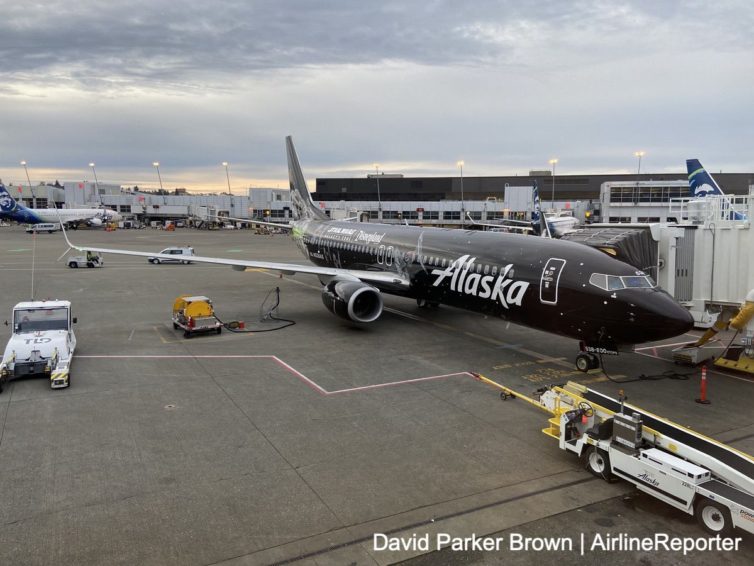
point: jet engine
(95, 221)
(353, 300)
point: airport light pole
(379, 199)
(96, 184)
(553, 162)
(156, 165)
(96, 181)
(638, 154)
(31, 189)
(460, 165)
(227, 175)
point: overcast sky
(413, 85)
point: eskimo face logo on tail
(7, 204)
(504, 289)
(704, 190)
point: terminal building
(432, 201)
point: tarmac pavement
(298, 445)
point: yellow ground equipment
(696, 474)
(194, 314)
(738, 356)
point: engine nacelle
(353, 300)
(95, 221)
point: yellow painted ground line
(157, 330)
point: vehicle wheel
(175, 326)
(594, 361)
(73, 264)
(713, 517)
(184, 262)
(186, 334)
(583, 362)
(157, 260)
(598, 463)
(89, 264)
(219, 329)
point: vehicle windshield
(33, 320)
(616, 283)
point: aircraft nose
(667, 318)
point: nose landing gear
(586, 361)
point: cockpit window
(638, 282)
(599, 280)
(616, 282)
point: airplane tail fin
(7, 202)
(537, 205)
(301, 200)
(701, 183)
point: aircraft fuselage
(553, 285)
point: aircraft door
(548, 285)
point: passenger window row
(385, 255)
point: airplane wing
(285, 268)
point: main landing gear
(586, 361)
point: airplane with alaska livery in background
(552, 285)
(12, 210)
(702, 185)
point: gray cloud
(505, 85)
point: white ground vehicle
(181, 255)
(42, 343)
(670, 462)
(46, 227)
(91, 259)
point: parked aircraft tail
(301, 200)
(701, 183)
(537, 204)
(8, 204)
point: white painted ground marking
(311, 383)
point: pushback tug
(42, 343)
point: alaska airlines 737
(12, 210)
(552, 285)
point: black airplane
(552, 285)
